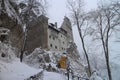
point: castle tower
(37, 34)
(66, 25)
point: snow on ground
(12, 69)
(53, 76)
(16, 70)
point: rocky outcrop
(10, 19)
(74, 58)
(7, 52)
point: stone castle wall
(37, 34)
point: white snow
(11, 68)
(20, 71)
(16, 70)
(95, 77)
(53, 76)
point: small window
(61, 35)
(53, 38)
(4, 31)
(49, 36)
(62, 48)
(3, 38)
(55, 47)
(63, 42)
(50, 45)
(3, 55)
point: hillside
(11, 68)
(50, 52)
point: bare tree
(116, 8)
(106, 20)
(75, 6)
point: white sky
(58, 9)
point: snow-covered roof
(52, 26)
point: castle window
(61, 35)
(53, 38)
(55, 47)
(49, 36)
(63, 42)
(4, 31)
(3, 38)
(50, 45)
(3, 55)
(62, 48)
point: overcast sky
(58, 9)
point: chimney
(56, 24)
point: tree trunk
(23, 48)
(24, 44)
(83, 44)
(107, 50)
(108, 68)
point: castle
(59, 38)
(48, 36)
(40, 34)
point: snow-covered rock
(37, 58)
(40, 58)
(10, 11)
(7, 53)
(15, 70)
(10, 66)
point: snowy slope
(20, 71)
(12, 69)
(16, 70)
(53, 76)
